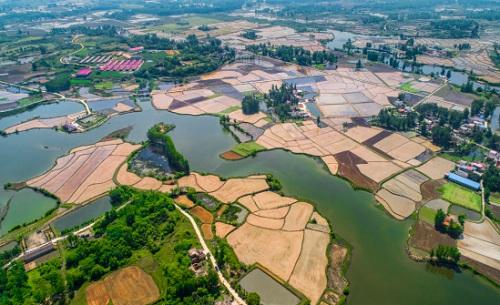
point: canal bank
(380, 271)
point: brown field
(148, 183)
(270, 200)
(236, 188)
(266, 223)
(223, 229)
(298, 216)
(349, 167)
(248, 203)
(309, 273)
(425, 237)
(481, 242)
(209, 183)
(378, 171)
(203, 215)
(430, 189)
(436, 168)
(86, 172)
(184, 201)
(206, 229)
(127, 286)
(398, 206)
(125, 177)
(407, 184)
(189, 181)
(252, 244)
(231, 155)
(361, 133)
(240, 117)
(273, 213)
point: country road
(226, 284)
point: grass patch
(247, 149)
(461, 196)
(407, 87)
(456, 158)
(320, 66)
(29, 100)
(427, 214)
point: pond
(271, 292)
(380, 272)
(83, 214)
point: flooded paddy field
(271, 292)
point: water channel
(380, 272)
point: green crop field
(247, 149)
(461, 196)
(427, 214)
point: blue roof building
(464, 181)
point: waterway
(380, 273)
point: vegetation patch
(248, 149)
(461, 196)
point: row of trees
(388, 119)
(158, 138)
(293, 54)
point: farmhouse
(473, 185)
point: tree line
(293, 54)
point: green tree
(253, 298)
(439, 220)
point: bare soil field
(425, 237)
(270, 200)
(223, 229)
(127, 286)
(398, 206)
(203, 215)
(86, 172)
(298, 216)
(348, 168)
(231, 155)
(236, 188)
(206, 229)
(252, 244)
(184, 201)
(436, 168)
(273, 213)
(264, 222)
(309, 273)
(430, 189)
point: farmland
(461, 196)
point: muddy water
(381, 272)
